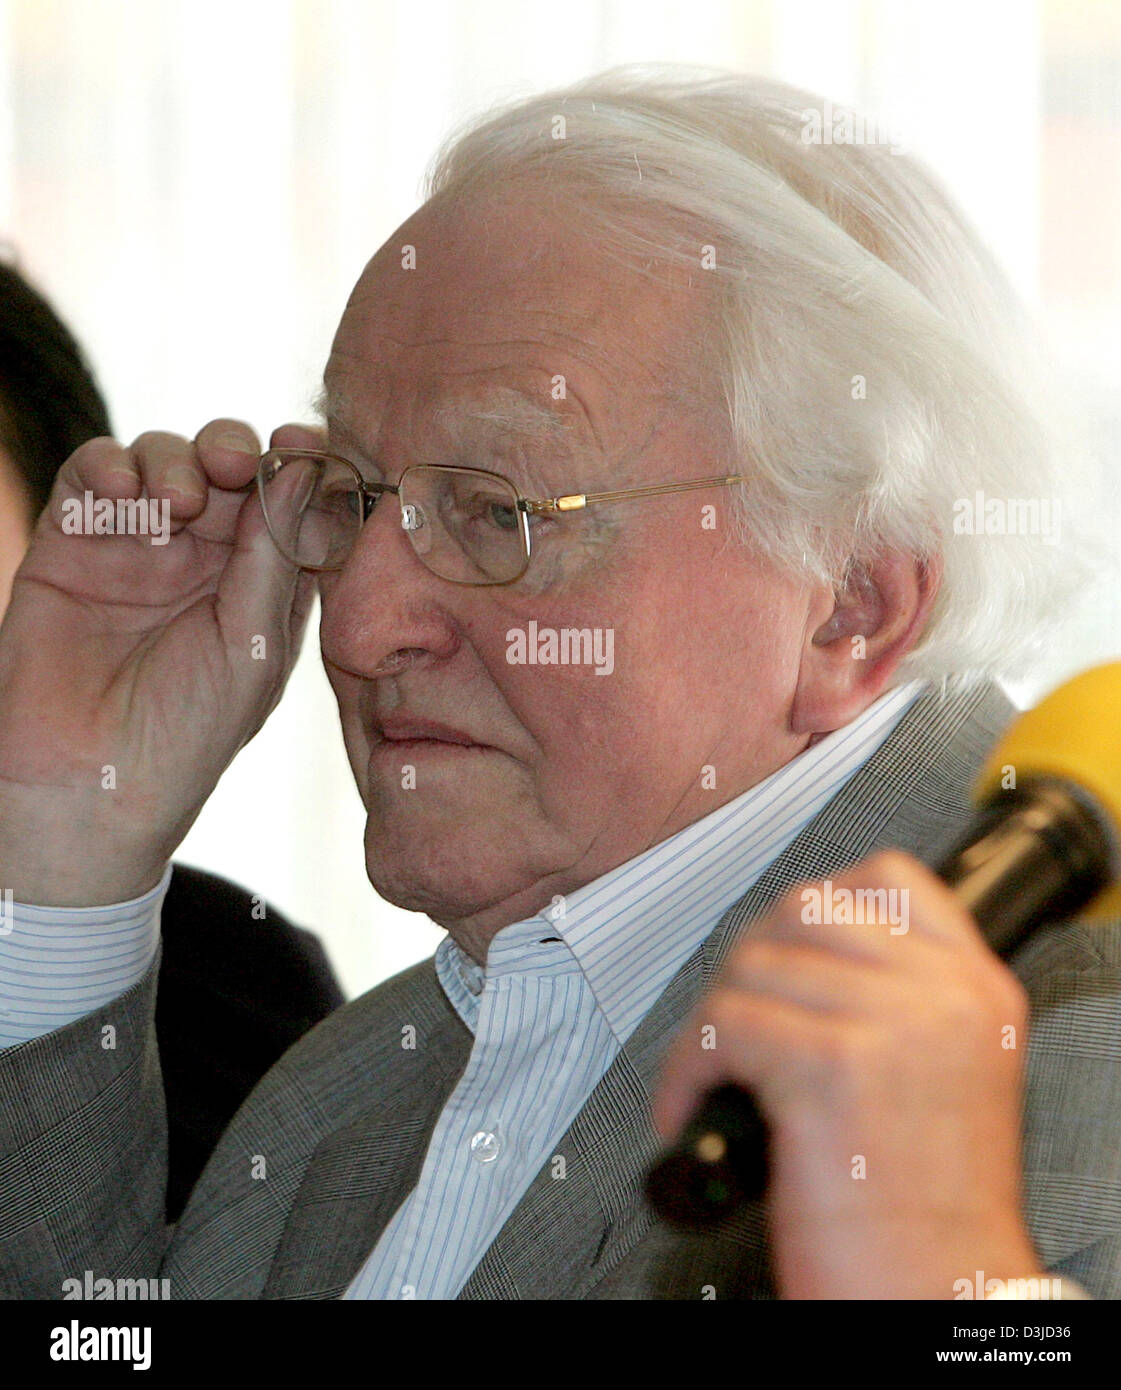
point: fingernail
(184, 478)
(238, 443)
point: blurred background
(197, 184)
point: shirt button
(485, 1146)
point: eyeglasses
(466, 525)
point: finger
(767, 1046)
(302, 605)
(168, 469)
(812, 978)
(100, 466)
(699, 1059)
(680, 1086)
(821, 915)
(298, 436)
(864, 912)
(259, 588)
(934, 909)
(229, 452)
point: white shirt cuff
(58, 964)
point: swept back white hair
(833, 262)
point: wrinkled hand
(154, 661)
(887, 1056)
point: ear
(857, 636)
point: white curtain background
(197, 184)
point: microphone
(1045, 842)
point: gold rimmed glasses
(466, 525)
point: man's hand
(887, 1055)
(132, 672)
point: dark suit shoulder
(207, 920)
(238, 985)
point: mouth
(407, 734)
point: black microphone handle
(1032, 855)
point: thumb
(257, 593)
(298, 437)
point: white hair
(878, 373)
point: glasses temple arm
(574, 501)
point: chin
(449, 883)
(443, 903)
(448, 867)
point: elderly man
(650, 374)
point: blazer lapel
(361, 1173)
(568, 1233)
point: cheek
(582, 673)
(563, 706)
(603, 740)
(582, 723)
(707, 640)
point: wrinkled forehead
(501, 315)
(467, 416)
(488, 269)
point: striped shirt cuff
(58, 964)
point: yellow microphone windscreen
(1073, 735)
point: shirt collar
(629, 931)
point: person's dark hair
(49, 401)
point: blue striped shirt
(560, 994)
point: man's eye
(504, 516)
(484, 509)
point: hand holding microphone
(859, 1040)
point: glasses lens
(312, 507)
(465, 524)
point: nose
(384, 610)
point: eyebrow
(508, 409)
(511, 411)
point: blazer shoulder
(407, 1015)
(1080, 948)
(1072, 1162)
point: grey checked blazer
(343, 1119)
